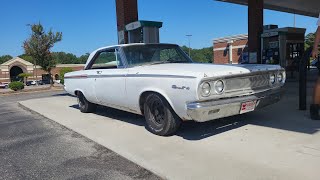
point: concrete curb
(26, 91)
(32, 111)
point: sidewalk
(32, 89)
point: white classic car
(162, 83)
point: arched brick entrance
(14, 72)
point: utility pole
(294, 20)
(189, 38)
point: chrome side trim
(83, 76)
(130, 75)
(106, 76)
(160, 76)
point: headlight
(280, 78)
(205, 89)
(272, 79)
(219, 87)
(283, 77)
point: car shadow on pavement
(63, 94)
(118, 115)
(194, 131)
(189, 130)
(280, 116)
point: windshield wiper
(177, 61)
(163, 62)
(158, 62)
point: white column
(230, 51)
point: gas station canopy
(302, 7)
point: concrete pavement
(34, 147)
(278, 142)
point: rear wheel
(160, 117)
(84, 105)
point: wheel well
(143, 97)
(76, 92)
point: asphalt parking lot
(34, 147)
(278, 142)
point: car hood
(203, 69)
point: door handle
(99, 72)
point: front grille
(248, 82)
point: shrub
(64, 71)
(24, 76)
(16, 85)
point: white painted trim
(230, 38)
(230, 54)
(226, 48)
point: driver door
(110, 78)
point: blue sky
(87, 25)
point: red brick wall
(235, 43)
(2, 75)
(240, 42)
(222, 56)
(220, 45)
(57, 70)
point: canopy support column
(127, 12)
(255, 29)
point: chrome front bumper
(215, 109)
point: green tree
(65, 58)
(5, 58)
(27, 58)
(83, 59)
(203, 55)
(24, 76)
(63, 71)
(38, 46)
(309, 40)
(69, 58)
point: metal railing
(305, 61)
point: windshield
(138, 55)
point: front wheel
(160, 117)
(84, 105)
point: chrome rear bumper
(215, 109)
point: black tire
(84, 105)
(160, 117)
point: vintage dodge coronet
(162, 83)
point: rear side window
(108, 59)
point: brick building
(12, 68)
(230, 50)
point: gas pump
(143, 32)
(283, 46)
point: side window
(109, 59)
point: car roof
(123, 45)
(134, 44)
